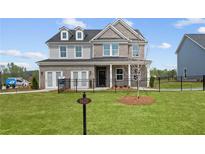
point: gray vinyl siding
(54, 51)
(192, 57)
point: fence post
(159, 84)
(115, 85)
(76, 86)
(93, 85)
(181, 82)
(203, 82)
(1, 83)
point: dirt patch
(134, 100)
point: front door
(101, 78)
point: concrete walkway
(25, 92)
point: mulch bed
(134, 100)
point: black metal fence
(76, 85)
(165, 83)
(180, 83)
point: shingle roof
(88, 60)
(88, 35)
(199, 38)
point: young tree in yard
(34, 83)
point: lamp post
(84, 100)
(84, 114)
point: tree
(14, 70)
(163, 73)
(34, 83)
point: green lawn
(177, 84)
(52, 113)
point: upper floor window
(78, 52)
(135, 50)
(79, 35)
(63, 52)
(111, 49)
(64, 35)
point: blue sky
(22, 41)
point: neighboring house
(191, 55)
(104, 55)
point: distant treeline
(163, 73)
(13, 70)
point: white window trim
(119, 74)
(111, 50)
(53, 78)
(80, 71)
(59, 48)
(138, 49)
(81, 51)
(76, 35)
(64, 31)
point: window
(63, 53)
(119, 74)
(114, 49)
(135, 50)
(110, 49)
(79, 35)
(78, 52)
(185, 72)
(58, 75)
(106, 48)
(49, 79)
(64, 35)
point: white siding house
(191, 55)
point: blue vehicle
(11, 82)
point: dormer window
(64, 35)
(79, 35)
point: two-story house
(105, 55)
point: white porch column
(129, 76)
(110, 75)
(148, 74)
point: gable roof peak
(130, 28)
(63, 28)
(113, 28)
(78, 28)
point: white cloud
(129, 22)
(201, 30)
(163, 45)
(72, 23)
(189, 21)
(20, 54)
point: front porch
(120, 75)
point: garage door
(82, 79)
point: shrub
(151, 83)
(34, 83)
